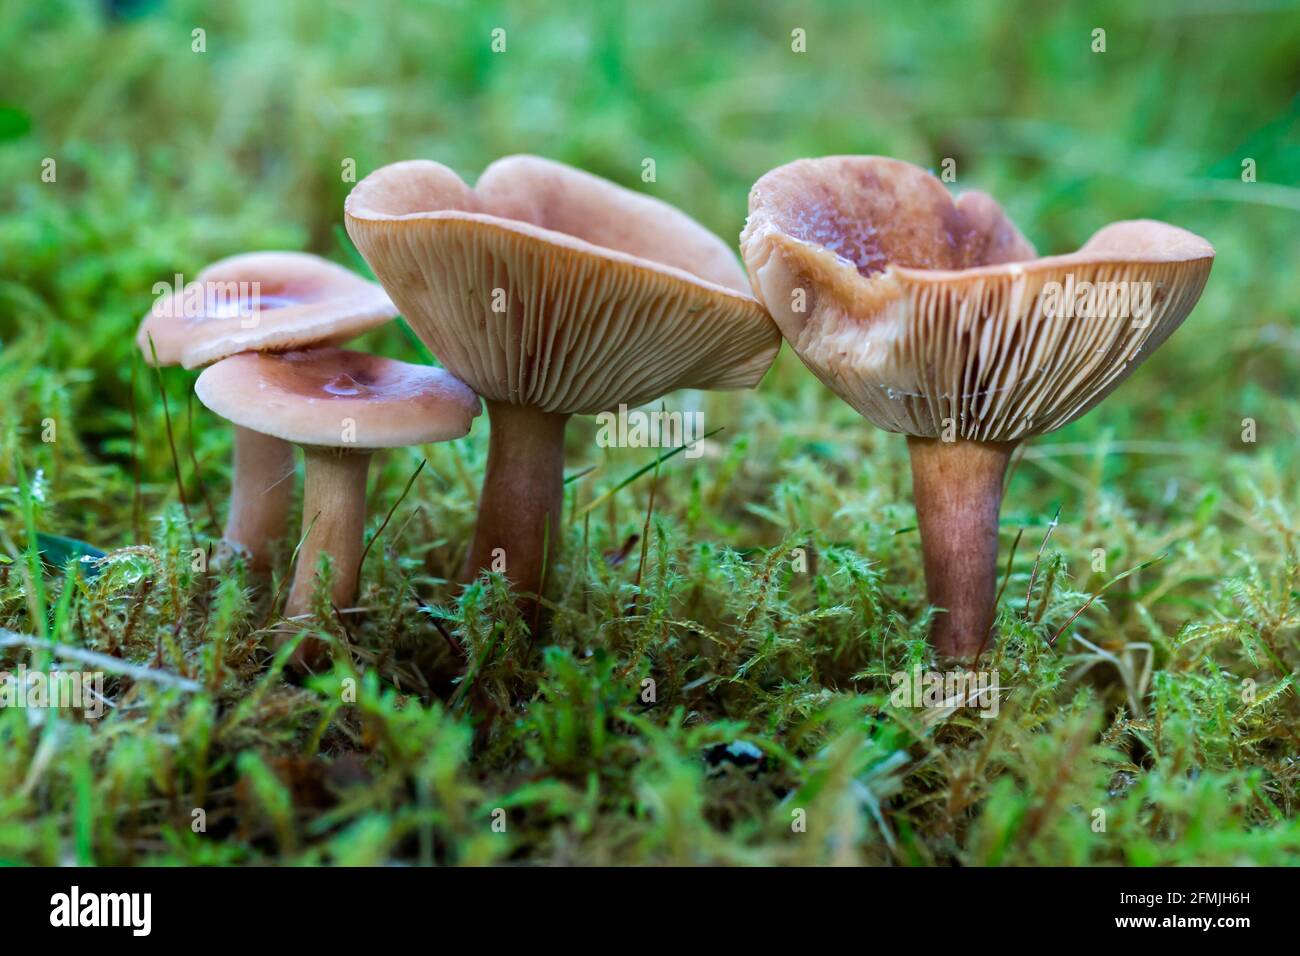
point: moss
(779, 591)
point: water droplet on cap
(344, 384)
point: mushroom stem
(333, 521)
(519, 510)
(260, 495)
(957, 487)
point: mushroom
(933, 317)
(339, 407)
(260, 301)
(552, 292)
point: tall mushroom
(552, 292)
(932, 317)
(260, 302)
(339, 406)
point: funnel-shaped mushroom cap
(261, 302)
(549, 287)
(916, 308)
(338, 399)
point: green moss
(781, 588)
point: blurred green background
(167, 159)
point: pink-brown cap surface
(261, 302)
(920, 310)
(338, 399)
(549, 287)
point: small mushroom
(933, 317)
(339, 406)
(552, 292)
(260, 302)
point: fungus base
(520, 507)
(957, 487)
(334, 522)
(260, 496)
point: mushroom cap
(338, 399)
(301, 300)
(918, 308)
(549, 287)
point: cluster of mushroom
(545, 290)
(550, 292)
(265, 325)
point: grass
(779, 585)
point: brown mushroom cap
(919, 308)
(303, 300)
(322, 396)
(609, 296)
